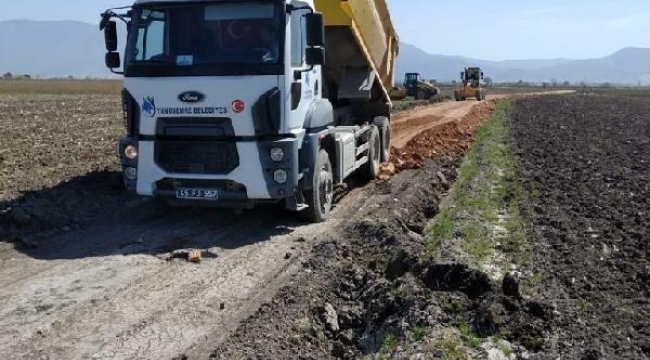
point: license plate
(197, 194)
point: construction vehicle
(237, 103)
(398, 93)
(415, 87)
(419, 89)
(471, 85)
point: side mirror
(481, 75)
(315, 30)
(462, 75)
(110, 36)
(315, 56)
(113, 60)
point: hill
(627, 66)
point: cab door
(303, 83)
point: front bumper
(252, 180)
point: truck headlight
(280, 176)
(131, 173)
(131, 152)
(277, 154)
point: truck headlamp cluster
(131, 173)
(131, 152)
(277, 154)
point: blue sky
(492, 30)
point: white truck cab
(232, 103)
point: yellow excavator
(415, 87)
(471, 86)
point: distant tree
(489, 82)
(8, 76)
(554, 83)
(453, 82)
(566, 83)
(70, 77)
(27, 77)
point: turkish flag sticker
(238, 106)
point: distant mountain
(628, 66)
(63, 48)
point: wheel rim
(326, 187)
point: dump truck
(240, 103)
(471, 85)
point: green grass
(449, 305)
(60, 86)
(420, 332)
(407, 286)
(529, 283)
(506, 350)
(389, 345)
(453, 349)
(486, 187)
(468, 336)
(442, 228)
(585, 306)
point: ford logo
(191, 97)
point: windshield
(199, 39)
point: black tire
(320, 197)
(383, 123)
(456, 95)
(421, 94)
(370, 170)
(479, 95)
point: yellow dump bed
(360, 33)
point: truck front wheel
(320, 197)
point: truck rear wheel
(370, 170)
(320, 197)
(456, 95)
(383, 123)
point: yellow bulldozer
(416, 88)
(471, 85)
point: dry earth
(90, 272)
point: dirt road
(117, 286)
(409, 124)
(115, 291)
